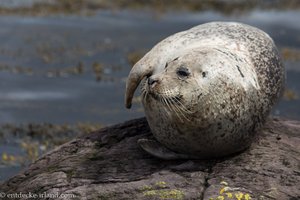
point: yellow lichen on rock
(158, 190)
(230, 193)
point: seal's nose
(151, 81)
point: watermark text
(31, 195)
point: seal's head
(177, 88)
(184, 85)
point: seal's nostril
(151, 81)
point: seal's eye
(183, 72)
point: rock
(108, 164)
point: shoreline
(88, 7)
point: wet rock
(108, 164)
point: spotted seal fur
(207, 90)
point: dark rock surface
(108, 164)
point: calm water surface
(46, 44)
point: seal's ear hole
(204, 74)
(176, 59)
(166, 65)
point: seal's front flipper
(156, 149)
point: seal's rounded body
(207, 90)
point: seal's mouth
(171, 99)
(174, 105)
(167, 99)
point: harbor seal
(206, 91)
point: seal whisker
(166, 103)
(175, 103)
(144, 95)
(175, 110)
(182, 106)
(143, 91)
(183, 113)
(166, 114)
(164, 100)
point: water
(47, 72)
(106, 38)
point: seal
(206, 91)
